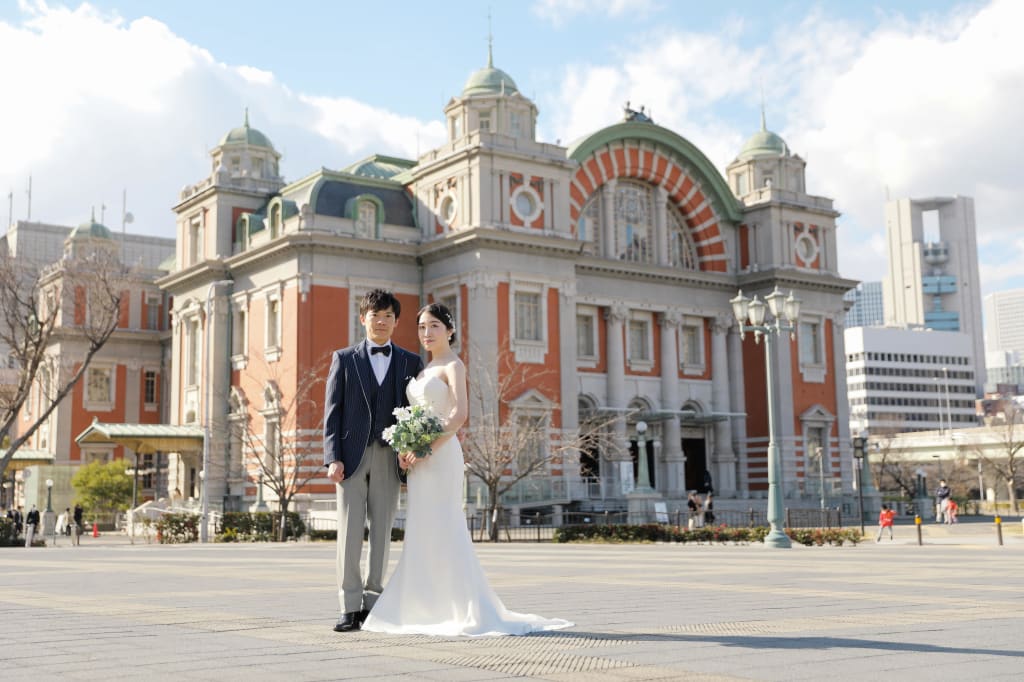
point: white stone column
(608, 219)
(724, 457)
(675, 483)
(661, 225)
(737, 398)
(569, 386)
(615, 317)
(845, 448)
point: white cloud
(923, 109)
(99, 104)
(559, 12)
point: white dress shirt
(379, 361)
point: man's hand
(336, 472)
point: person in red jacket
(886, 517)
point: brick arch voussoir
(654, 168)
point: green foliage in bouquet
(414, 431)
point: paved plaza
(952, 609)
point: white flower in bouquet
(414, 431)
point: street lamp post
(785, 311)
(859, 452)
(643, 478)
(49, 496)
(204, 531)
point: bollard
(917, 523)
(999, 530)
(95, 530)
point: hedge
(653, 532)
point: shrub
(8, 536)
(177, 528)
(735, 534)
(397, 534)
(258, 526)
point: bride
(438, 587)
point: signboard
(626, 476)
(661, 512)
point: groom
(366, 382)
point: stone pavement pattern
(950, 610)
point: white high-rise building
(1004, 321)
(909, 380)
(933, 280)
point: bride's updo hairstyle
(441, 312)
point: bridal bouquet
(415, 430)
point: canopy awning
(27, 457)
(144, 438)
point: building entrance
(696, 463)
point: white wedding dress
(438, 587)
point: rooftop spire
(490, 42)
(764, 126)
(247, 117)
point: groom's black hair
(379, 299)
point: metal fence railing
(540, 527)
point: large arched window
(588, 228)
(634, 223)
(681, 253)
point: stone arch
(659, 157)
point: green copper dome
(489, 80)
(764, 143)
(90, 229)
(246, 135)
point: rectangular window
(149, 387)
(532, 455)
(152, 312)
(810, 343)
(585, 346)
(195, 238)
(639, 337)
(273, 323)
(98, 385)
(691, 355)
(528, 324)
(192, 353)
(514, 124)
(240, 334)
(485, 123)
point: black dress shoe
(348, 622)
(362, 616)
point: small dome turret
(90, 229)
(245, 135)
(489, 81)
(763, 143)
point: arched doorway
(590, 453)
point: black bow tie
(386, 350)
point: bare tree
(283, 441)
(1006, 456)
(889, 464)
(511, 437)
(77, 301)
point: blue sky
(917, 98)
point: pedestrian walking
(952, 508)
(709, 514)
(63, 522)
(31, 525)
(886, 517)
(693, 504)
(76, 530)
(942, 495)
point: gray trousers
(367, 497)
